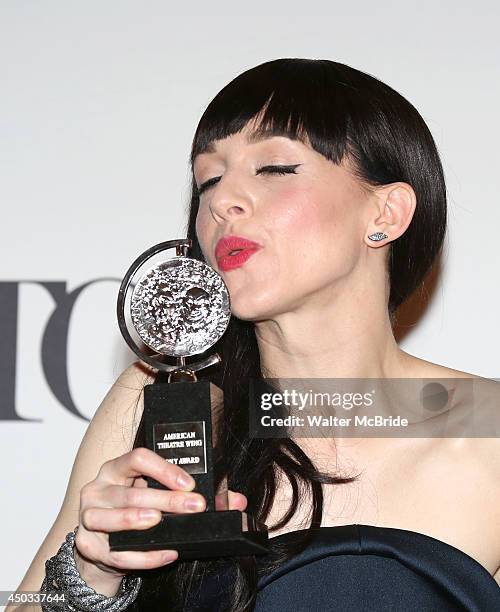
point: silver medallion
(180, 307)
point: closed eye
(264, 170)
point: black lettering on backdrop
(9, 299)
(54, 354)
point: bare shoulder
(477, 458)
(486, 403)
(121, 409)
(113, 427)
(421, 368)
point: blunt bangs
(283, 101)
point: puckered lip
(231, 242)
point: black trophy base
(199, 535)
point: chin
(245, 314)
(255, 309)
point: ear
(394, 208)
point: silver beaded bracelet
(62, 577)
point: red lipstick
(233, 251)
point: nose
(229, 199)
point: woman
(336, 179)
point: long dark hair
(345, 114)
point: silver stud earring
(378, 236)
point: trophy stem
(187, 440)
(181, 250)
(181, 372)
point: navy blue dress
(362, 568)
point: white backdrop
(98, 105)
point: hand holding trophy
(180, 307)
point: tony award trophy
(179, 307)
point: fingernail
(185, 480)
(193, 503)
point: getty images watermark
(369, 407)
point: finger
(237, 501)
(123, 560)
(229, 500)
(134, 560)
(140, 483)
(222, 501)
(118, 496)
(145, 462)
(119, 519)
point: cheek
(305, 215)
(202, 228)
(316, 231)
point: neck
(339, 339)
